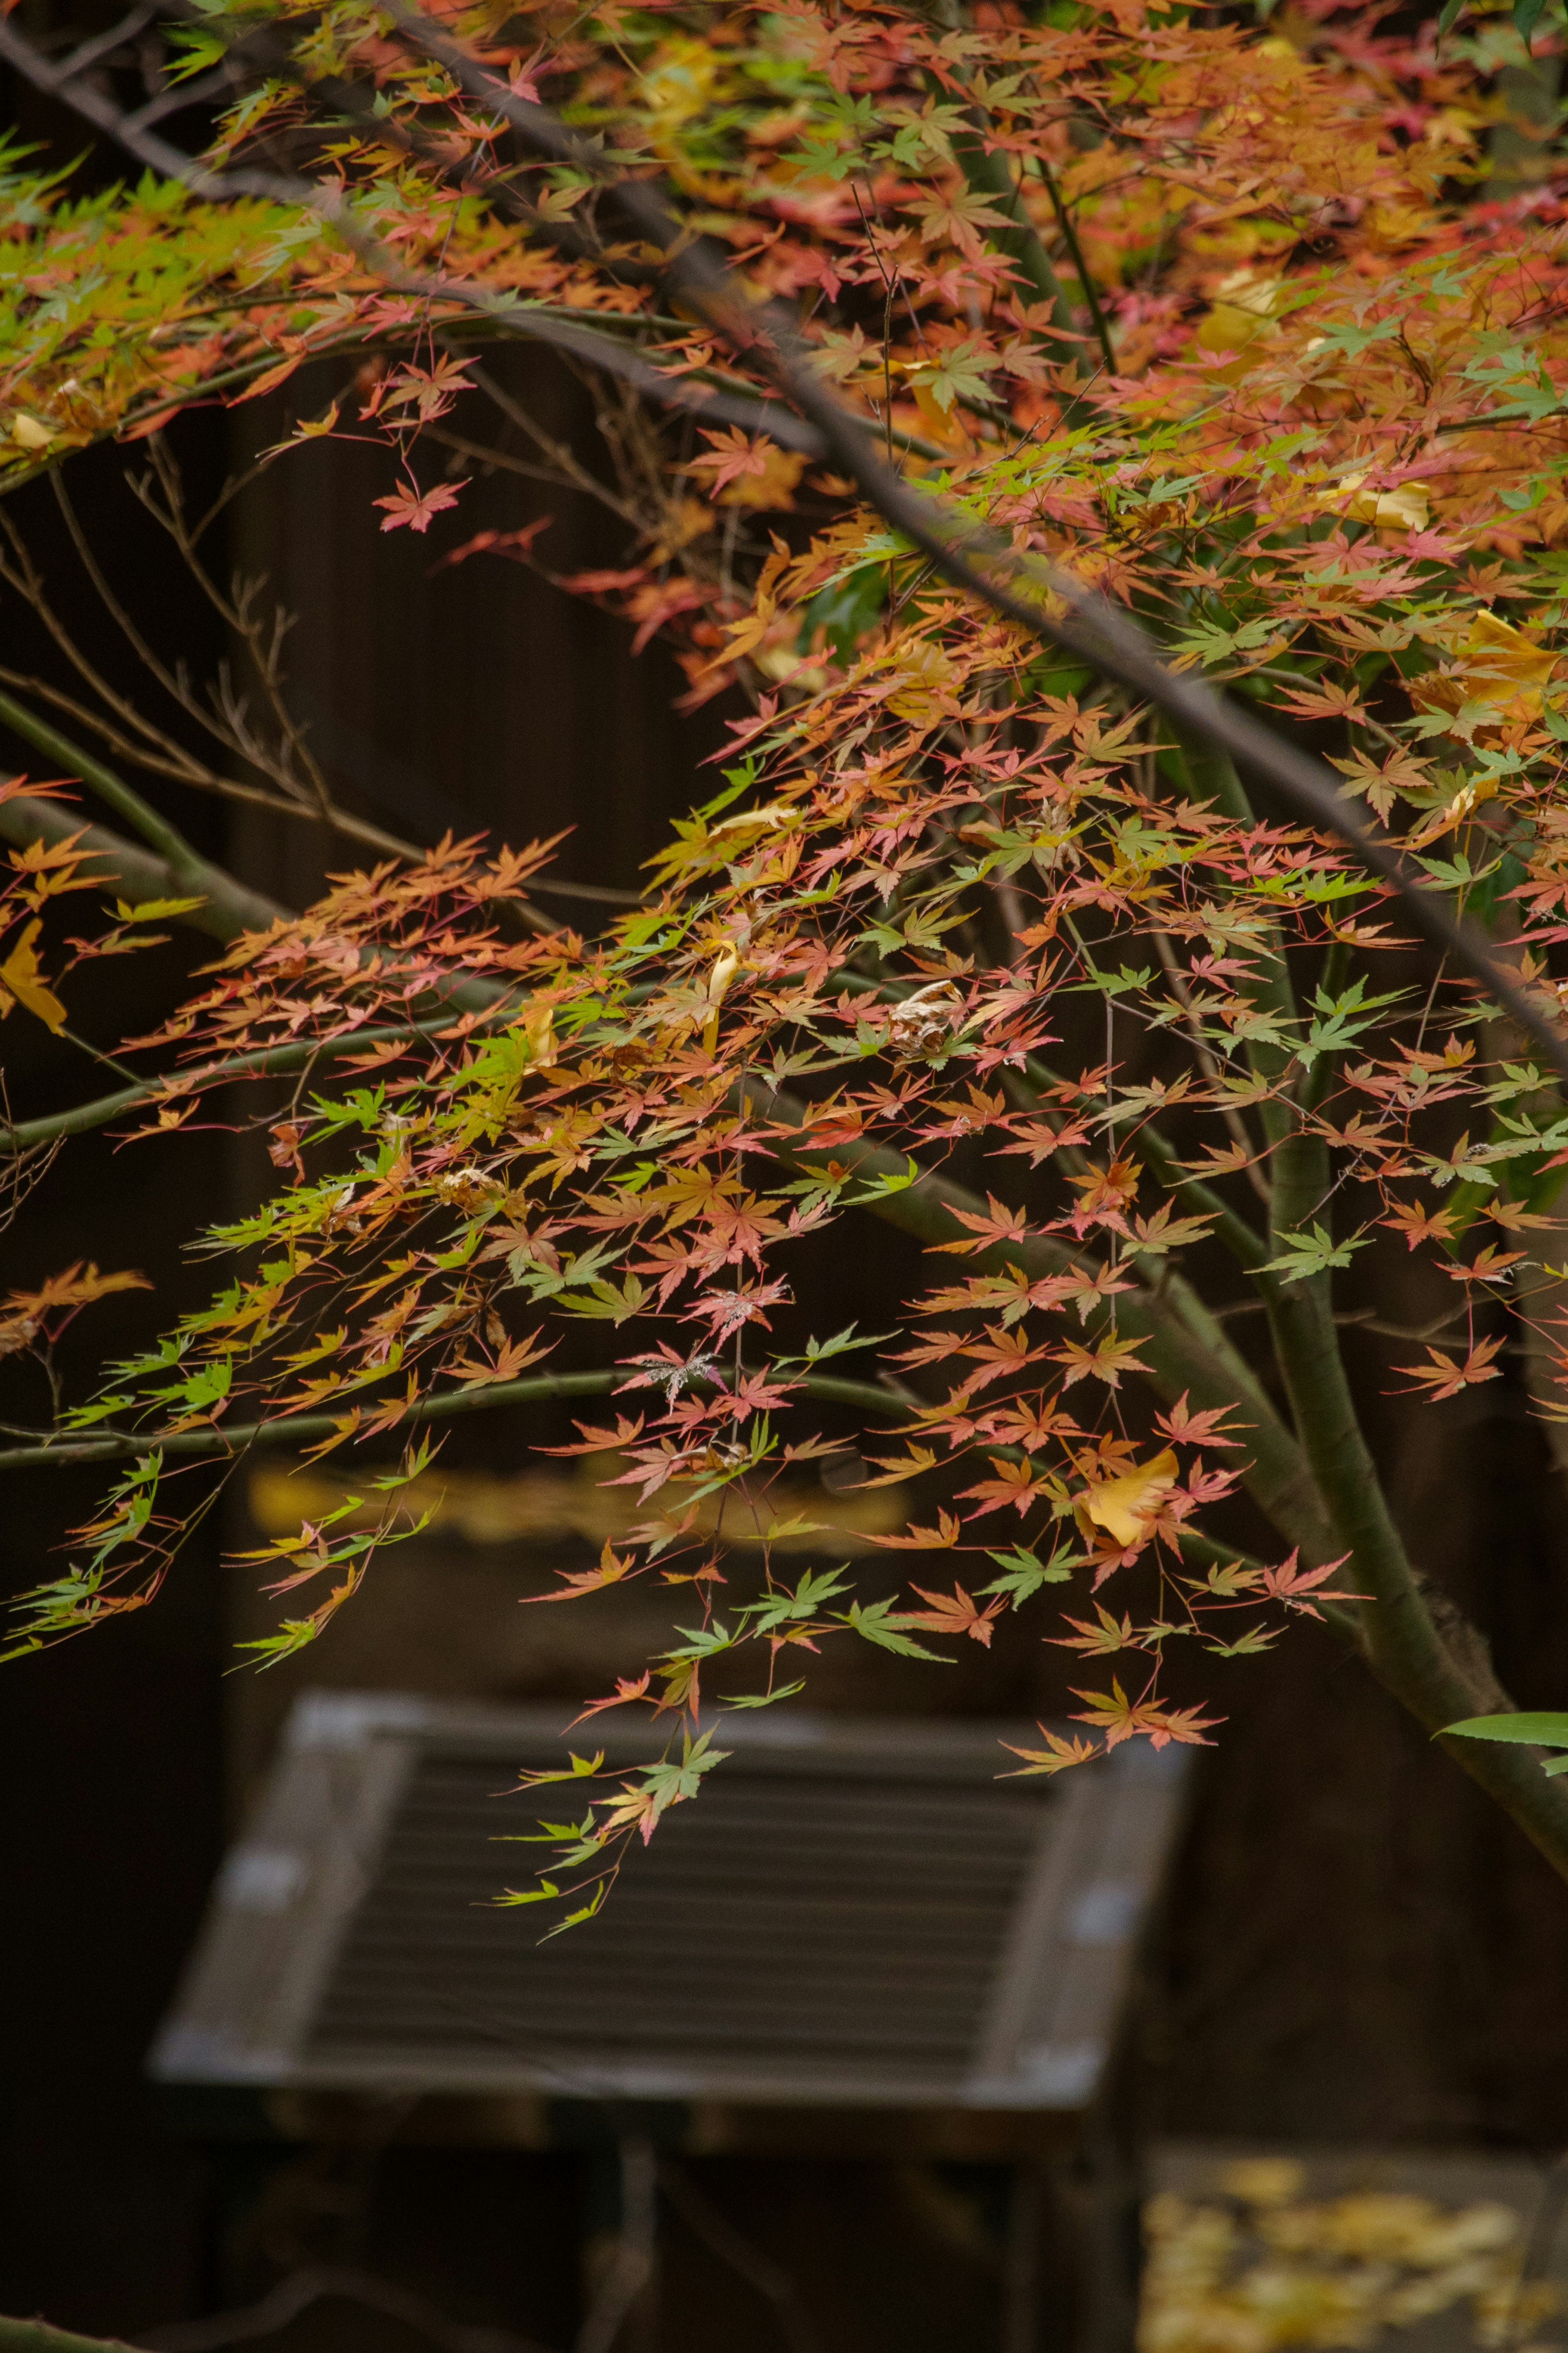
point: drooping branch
(227, 908)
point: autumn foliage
(1244, 323)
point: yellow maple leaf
(21, 980)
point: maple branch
(17, 2336)
(264, 1062)
(989, 176)
(1075, 618)
(166, 839)
(1416, 1641)
(119, 1446)
(1319, 1491)
(227, 908)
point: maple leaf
(511, 1355)
(1109, 1634)
(1039, 1138)
(1104, 1195)
(1221, 1160)
(949, 218)
(1290, 1585)
(919, 1459)
(1419, 1224)
(22, 980)
(1054, 1758)
(1120, 1718)
(1029, 1424)
(25, 1313)
(1443, 1377)
(1014, 1483)
(944, 1537)
(1327, 702)
(514, 543)
(1196, 1429)
(732, 455)
(79, 1286)
(626, 1689)
(955, 1613)
(408, 505)
(1106, 1361)
(1000, 1224)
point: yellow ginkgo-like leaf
(1124, 1507)
(1406, 508)
(1499, 670)
(538, 1030)
(726, 965)
(21, 980)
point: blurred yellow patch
(537, 1027)
(679, 81)
(684, 520)
(547, 1506)
(1264, 2180)
(1243, 313)
(1269, 2270)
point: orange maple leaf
(955, 1613)
(612, 1565)
(1443, 1377)
(1055, 1757)
(1120, 1718)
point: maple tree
(993, 390)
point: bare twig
(318, 2283)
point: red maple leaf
(1196, 1429)
(1418, 1224)
(733, 453)
(1289, 1584)
(411, 505)
(515, 543)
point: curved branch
(266, 1062)
(228, 908)
(120, 1446)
